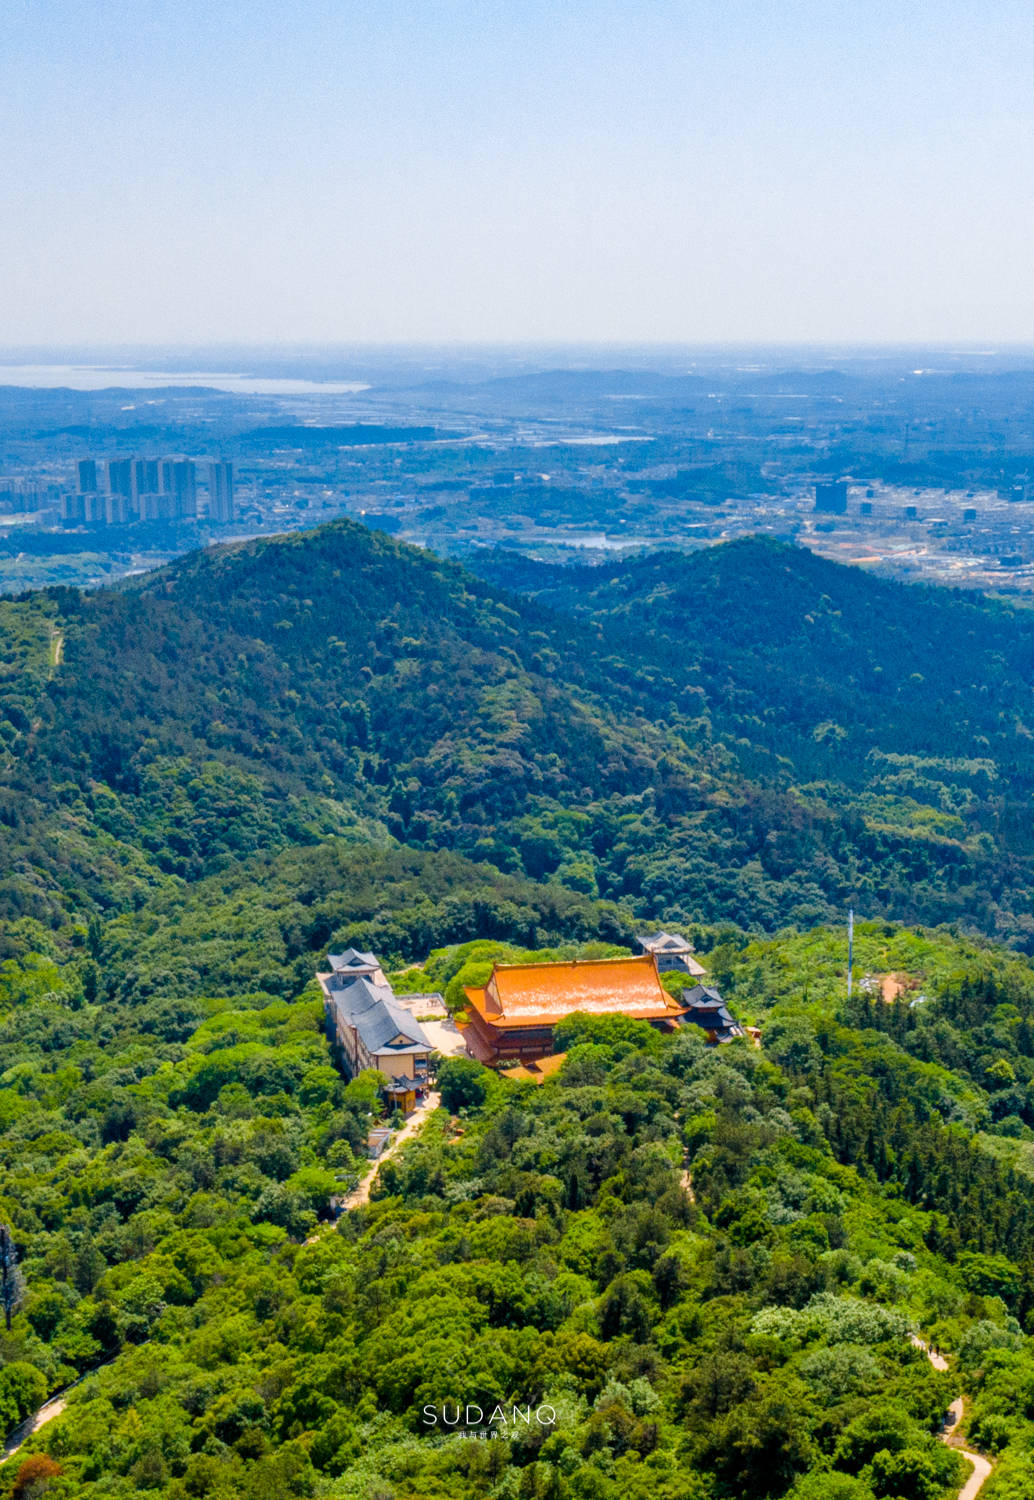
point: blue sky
(323, 170)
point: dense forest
(711, 1266)
(705, 1268)
(749, 734)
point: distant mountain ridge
(814, 641)
(747, 734)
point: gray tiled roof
(352, 959)
(378, 1018)
(705, 1007)
(664, 941)
(702, 994)
(401, 1085)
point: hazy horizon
(658, 354)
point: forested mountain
(748, 734)
(813, 661)
(710, 1264)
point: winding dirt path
(47, 1412)
(358, 1196)
(981, 1466)
(33, 1423)
(416, 1122)
(361, 1194)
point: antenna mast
(850, 949)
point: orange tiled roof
(542, 994)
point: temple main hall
(511, 1020)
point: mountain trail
(46, 1413)
(361, 1194)
(33, 1423)
(981, 1466)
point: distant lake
(598, 539)
(593, 440)
(114, 377)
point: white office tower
(220, 491)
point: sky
(676, 171)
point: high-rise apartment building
(144, 479)
(147, 489)
(152, 507)
(89, 507)
(220, 491)
(120, 477)
(179, 481)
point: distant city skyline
(676, 172)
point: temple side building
(706, 1008)
(371, 1029)
(511, 1020)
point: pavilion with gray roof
(671, 951)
